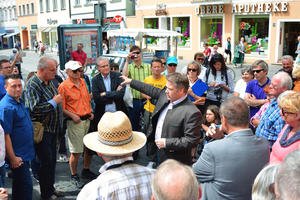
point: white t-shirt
(2, 147)
(240, 87)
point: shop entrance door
(291, 32)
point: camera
(218, 93)
(133, 57)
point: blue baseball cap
(172, 59)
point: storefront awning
(11, 34)
(111, 27)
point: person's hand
(102, 94)
(3, 194)
(252, 97)
(212, 84)
(160, 143)
(255, 122)
(200, 101)
(16, 162)
(215, 132)
(58, 99)
(76, 119)
(190, 91)
(126, 80)
(92, 116)
(129, 56)
(119, 88)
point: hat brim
(92, 142)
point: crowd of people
(205, 137)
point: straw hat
(115, 136)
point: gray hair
(264, 181)
(260, 63)
(286, 80)
(197, 65)
(44, 61)
(101, 58)
(248, 70)
(173, 174)
(236, 111)
(288, 57)
(179, 80)
(288, 178)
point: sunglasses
(77, 70)
(164, 63)
(285, 113)
(257, 71)
(192, 70)
(200, 58)
(136, 52)
(172, 65)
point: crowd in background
(208, 137)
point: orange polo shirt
(76, 99)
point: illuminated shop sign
(260, 7)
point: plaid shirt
(271, 123)
(128, 181)
(138, 73)
(38, 99)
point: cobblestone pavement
(62, 169)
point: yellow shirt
(159, 83)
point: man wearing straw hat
(120, 177)
(176, 121)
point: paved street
(62, 169)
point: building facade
(269, 27)
(52, 13)
(27, 22)
(9, 31)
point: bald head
(174, 181)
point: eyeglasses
(77, 70)
(164, 63)
(200, 58)
(257, 71)
(136, 52)
(172, 65)
(193, 70)
(285, 113)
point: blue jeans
(22, 183)
(46, 152)
(2, 176)
(135, 114)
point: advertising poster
(124, 44)
(89, 40)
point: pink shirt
(279, 152)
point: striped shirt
(128, 181)
(138, 73)
(39, 100)
(271, 123)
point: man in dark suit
(227, 167)
(106, 89)
(176, 121)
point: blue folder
(198, 88)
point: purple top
(253, 87)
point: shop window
(63, 4)
(77, 2)
(41, 6)
(211, 31)
(32, 8)
(151, 23)
(182, 25)
(15, 13)
(130, 7)
(255, 30)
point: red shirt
(81, 57)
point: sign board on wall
(260, 7)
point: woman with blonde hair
(289, 138)
(263, 186)
(296, 75)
